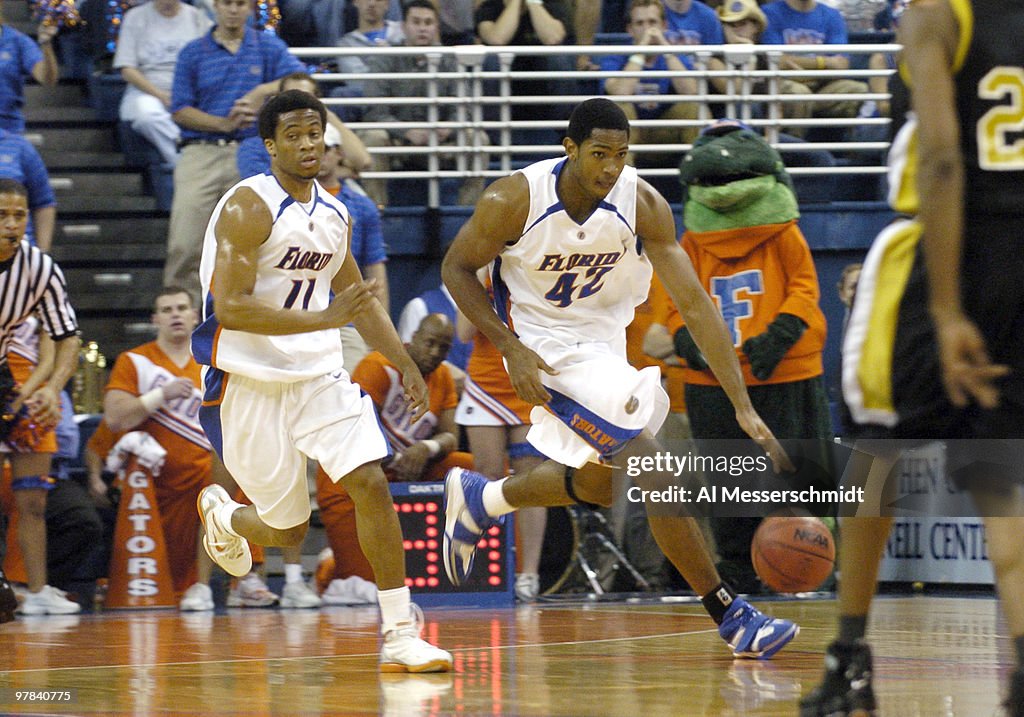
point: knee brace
(27, 482)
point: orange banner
(140, 575)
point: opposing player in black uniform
(956, 349)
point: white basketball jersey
(296, 264)
(568, 281)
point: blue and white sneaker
(751, 633)
(465, 521)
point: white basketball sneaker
(228, 551)
(404, 651)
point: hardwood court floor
(933, 656)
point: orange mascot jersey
(754, 274)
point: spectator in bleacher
(220, 82)
(150, 39)
(253, 158)
(691, 22)
(808, 22)
(372, 31)
(367, 244)
(20, 57)
(420, 28)
(155, 388)
(531, 22)
(20, 161)
(646, 25)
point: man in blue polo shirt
(20, 161)
(220, 83)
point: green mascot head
(733, 178)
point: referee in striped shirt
(32, 283)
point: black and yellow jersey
(989, 77)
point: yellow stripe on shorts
(871, 332)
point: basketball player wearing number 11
(274, 388)
(572, 241)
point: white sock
(494, 499)
(224, 517)
(292, 573)
(394, 608)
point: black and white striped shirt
(33, 283)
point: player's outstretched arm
(243, 226)
(656, 228)
(930, 34)
(497, 221)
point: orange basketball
(793, 554)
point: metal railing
(484, 99)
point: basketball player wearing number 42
(571, 243)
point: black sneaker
(846, 690)
(8, 602)
(1015, 697)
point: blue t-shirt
(209, 78)
(18, 55)
(19, 160)
(652, 86)
(367, 231)
(699, 26)
(823, 25)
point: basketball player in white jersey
(574, 240)
(275, 390)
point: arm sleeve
(373, 238)
(37, 180)
(126, 54)
(55, 309)
(449, 398)
(30, 54)
(372, 378)
(123, 377)
(802, 291)
(282, 62)
(183, 90)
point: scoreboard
(420, 508)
